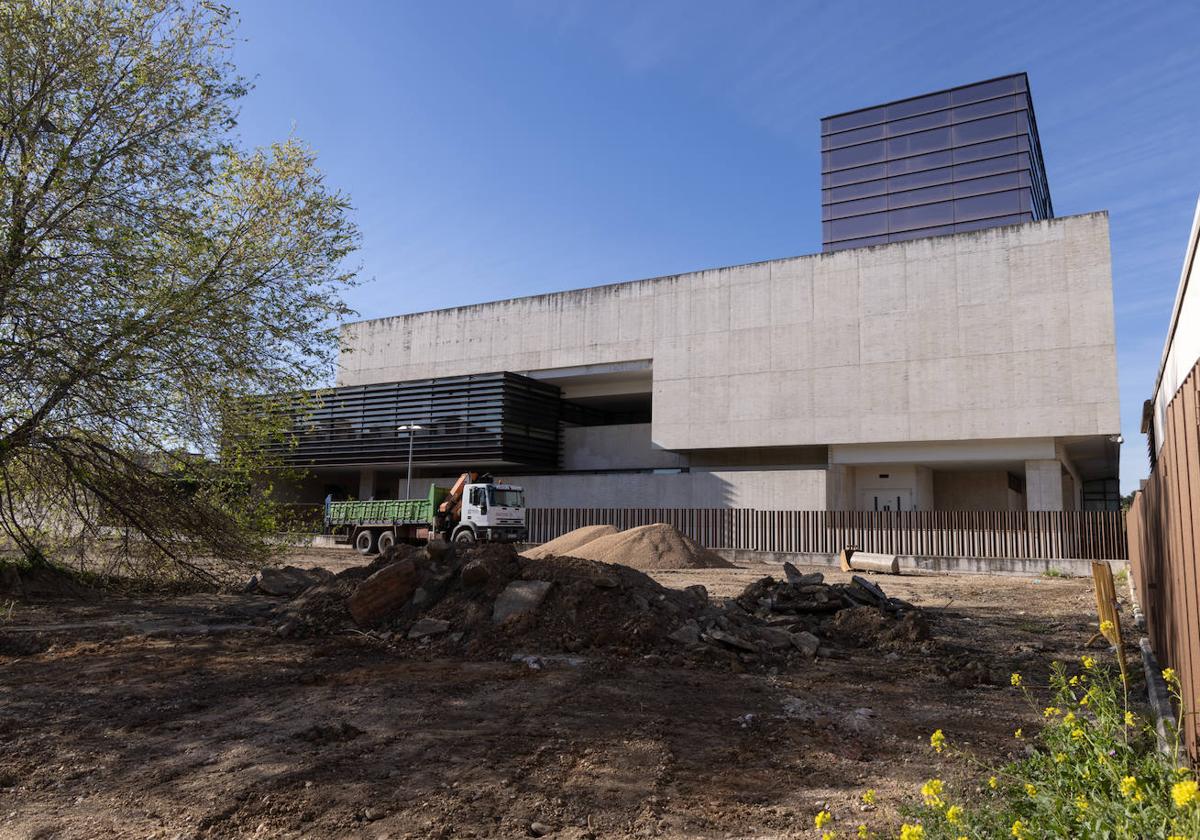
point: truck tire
(364, 541)
(386, 540)
(464, 536)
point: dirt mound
(566, 545)
(657, 546)
(42, 583)
(488, 601)
(323, 608)
(873, 628)
(587, 606)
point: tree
(154, 278)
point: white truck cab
(492, 512)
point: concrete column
(923, 493)
(839, 488)
(1043, 485)
(366, 484)
(1070, 492)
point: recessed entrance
(887, 498)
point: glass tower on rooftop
(957, 160)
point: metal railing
(1082, 535)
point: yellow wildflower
(1051, 711)
(1084, 700)
(993, 783)
(1068, 718)
(1059, 758)
(868, 796)
(1106, 626)
(1129, 788)
(863, 834)
(828, 835)
(1169, 675)
(1129, 719)
(1073, 681)
(937, 740)
(1081, 804)
(822, 818)
(1018, 733)
(1088, 662)
(932, 791)
(1176, 837)
(1184, 793)
(1018, 830)
(912, 832)
(1077, 733)
(1031, 790)
(954, 815)
(1015, 679)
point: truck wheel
(365, 541)
(386, 540)
(464, 536)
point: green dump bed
(385, 511)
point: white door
(897, 498)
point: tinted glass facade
(947, 162)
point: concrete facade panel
(615, 448)
(1003, 365)
(791, 287)
(1041, 321)
(885, 287)
(762, 489)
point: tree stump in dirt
(383, 594)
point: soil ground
(182, 717)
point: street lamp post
(412, 429)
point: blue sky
(496, 149)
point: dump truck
(469, 511)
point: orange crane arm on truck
(452, 504)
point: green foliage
(153, 277)
(1054, 573)
(1093, 771)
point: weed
(1094, 770)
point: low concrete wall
(1012, 566)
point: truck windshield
(506, 498)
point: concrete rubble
(487, 600)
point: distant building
(971, 371)
(957, 160)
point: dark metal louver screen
(479, 420)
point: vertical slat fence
(1164, 551)
(1082, 535)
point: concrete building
(970, 371)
